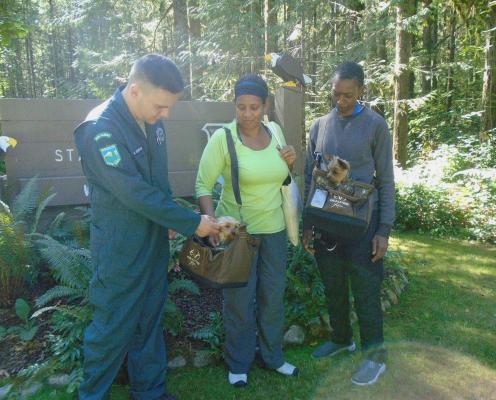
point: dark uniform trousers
(132, 209)
(350, 263)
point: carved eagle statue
(6, 142)
(288, 68)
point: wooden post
(289, 113)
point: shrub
(426, 209)
(172, 319)
(18, 226)
(212, 334)
(304, 298)
(450, 193)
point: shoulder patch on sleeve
(111, 155)
(102, 135)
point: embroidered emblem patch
(194, 258)
(160, 136)
(102, 135)
(111, 155)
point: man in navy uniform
(122, 145)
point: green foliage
(172, 319)
(213, 333)
(450, 193)
(15, 256)
(304, 298)
(12, 25)
(18, 226)
(427, 209)
(28, 329)
(68, 324)
(70, 266)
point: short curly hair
(349, 70)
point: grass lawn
(441, 339)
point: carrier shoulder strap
(234, 166)
(319, 148)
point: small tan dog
(337, 169)
(228, 228)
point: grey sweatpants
(258, 307)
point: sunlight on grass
(441, 340)
(415, 371)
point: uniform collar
(121, 107)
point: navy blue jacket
(130, 196)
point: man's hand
(288, 154)
(208, 226)
(379, 247)
(307, 238)
(172, 234)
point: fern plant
(14, 257)
(212, 334)
(71, 268)
(18, 224)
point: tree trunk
(489, 82)
(427, 46)
(181, 43)
(451, 60)
(257, 36)
(54, 50)
(30, 62)
(194, 36)
(70, 56)
(270, 20)
(404, 9)
(435, 51)
(20, 88)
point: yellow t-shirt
(261, 174)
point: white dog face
(338, 169)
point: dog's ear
(343, 163)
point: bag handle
(275, 133)
(234, 166)
(289, 178)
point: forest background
(430, 68)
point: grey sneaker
(368, 372)
(329, 349)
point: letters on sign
(68, 154)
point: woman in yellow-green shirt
(257, 310)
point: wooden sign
(44, 130)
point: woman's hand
(307, 239)
(288, 154)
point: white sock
(286, 369)
(234, 378)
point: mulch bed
(196, 311)
(16, 354)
